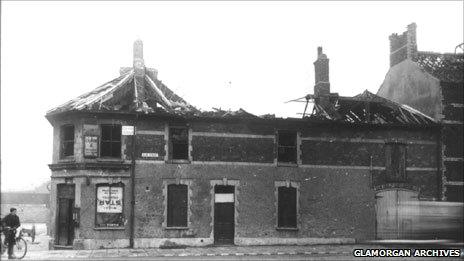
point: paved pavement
(224, 251)
(38, 251)
(312, 252)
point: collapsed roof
(364, 108)
(138, 89)
(445, 67)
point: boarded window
(109, 204)
(178, 142)
(286, 207)
(67, 141)
(110, 141)
(177, 205)
(286, 148)
(395, 162)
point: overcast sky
(250, 55)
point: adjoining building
(432, 83)
(135, 165)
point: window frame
(122, 225)
(111, 141)
(63, 141)
(287, 184)
(296, 147)
(171, 147)
(166, 184)
(390, 148)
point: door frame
(224, 182)
(57, 214)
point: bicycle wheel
(20, 248)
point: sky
(226, 54)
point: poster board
(109, 199)
(90, 146)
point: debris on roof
(220, 113)
(367, 108)
(137, 89)
(445, 67)
(121, 94)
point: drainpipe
(440, 164)
(132, 177)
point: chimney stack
(139, 66)
(403, 46)
(321, 69)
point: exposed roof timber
(164, 100)
(443, 66)
(365, 108)
(110, 90)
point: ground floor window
(287, 206)
(109, 205)
(177, 205)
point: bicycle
(20, 248)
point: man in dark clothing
(12, 221)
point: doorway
(224, 214)
(395, 210)
(64, 218)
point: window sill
(67, 159)
(110, 159)
(287, 228)
(284, 164)
(109, 228)
(178, 161)
(176, 228)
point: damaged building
(135, 165)
(432, 83)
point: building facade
(135, 165)
(432, 83)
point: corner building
(135, 165)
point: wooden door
(224, 215)
(65, 226)
(394, 213)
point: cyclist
(12, 221)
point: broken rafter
(164, 100)
(107, 92)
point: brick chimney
(321, 69)
(139, 74)
(139, 66)
(403, 46)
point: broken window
(178, 143)
(395, 162)
(177, 205)
(110, 199)
(286, 208)
(286, 148)
(67, 141)
(110, 141)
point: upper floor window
(286, 147)
(110, 145)
(178, 143)
(67, 141)
(395, 162)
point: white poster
(128, 130)
(224, 197)
(109, 201)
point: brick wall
(334, 175)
